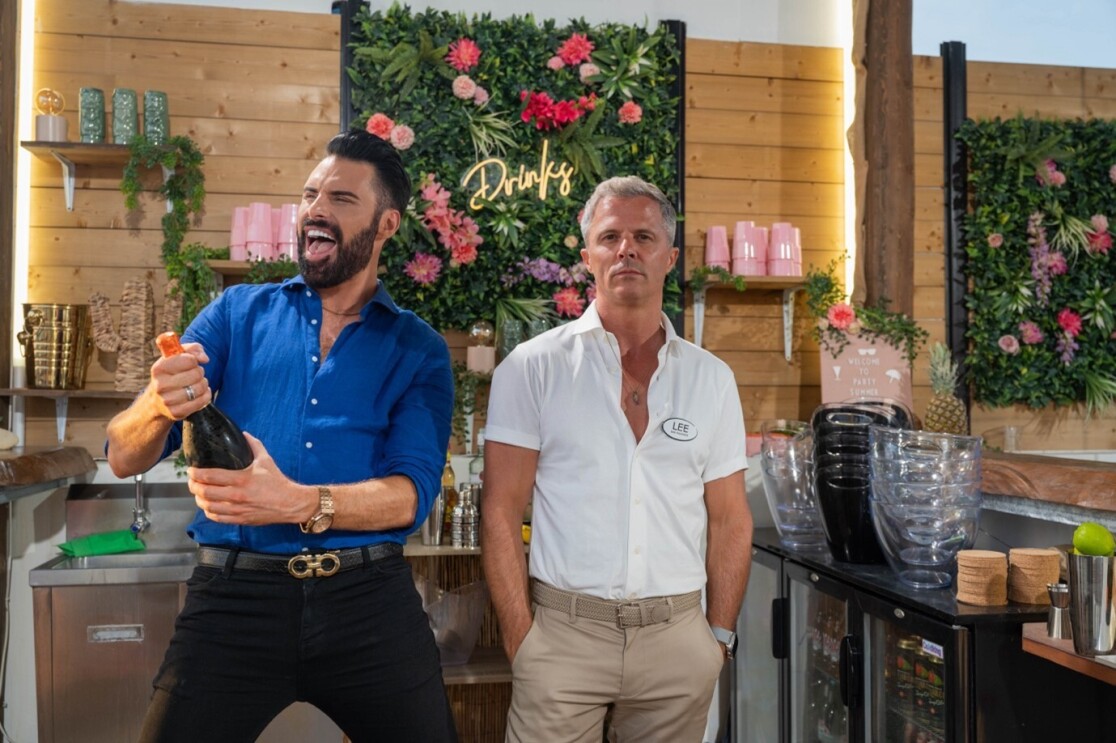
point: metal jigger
(1057, 620)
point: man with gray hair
(630, 441)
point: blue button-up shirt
(379, 404)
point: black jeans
(247, 644)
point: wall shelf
(788, 285)
(71, 154)
(62, 400)
(230, 268)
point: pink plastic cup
(238, 234)
(260, 242)
(716, 247)
(286, 237)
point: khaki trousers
(654, 682)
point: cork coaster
(980, 558)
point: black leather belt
(302, 565)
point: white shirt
(611, 518)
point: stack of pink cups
(716, 247)
(260, 235)
(262, 232)
(784, 254)
(749, 250)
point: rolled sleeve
(513, 404)
(420, 427)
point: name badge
(680, 429)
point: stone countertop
(28, 470)
(1062, 482)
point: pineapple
(945, 413)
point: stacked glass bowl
(787, 455)
(925, 501)
(842, 475)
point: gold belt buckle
(314, 566)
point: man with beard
(301, 591)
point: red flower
(575, 49)
(630, 113)
(1070, 322)
(841, 316)
(568, 302)
(380, 125)
(1099, 242)
(463, 54)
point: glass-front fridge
(833, 651)
(759, 669)
(866, 669)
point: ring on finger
(190, 394)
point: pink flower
(587, 71)
(1100, 222)
(1099, 242)
(841, 315)
(402, 137)
(423, 268)
(1057, 178)
(480, 97)
(463, 254)
(555, 63)
(463, 54)
(591, 292)
(1009, 344)
(379, 125)
(464, 87)
(995, 240)
(569, 302)
(1112, 173)
(630, 113)
(1070, 322)
(575, 49)
(1056, 264)
(1030, 332)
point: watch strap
(725, 637)
(325, 510)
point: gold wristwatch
(323, 519)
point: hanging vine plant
(183, 187)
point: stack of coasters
(982, 577)
(1029, 570)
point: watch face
(320, 523)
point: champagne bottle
(209, 437)
(449, 493)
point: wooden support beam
(888, 208)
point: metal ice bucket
(57, 341)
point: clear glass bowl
(920, 543)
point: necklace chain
(633, 392)
(340, 314)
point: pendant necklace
(633, 393)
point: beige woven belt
(636, 613)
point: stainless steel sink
(127, 567)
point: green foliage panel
(1042, 277)
(409, 67)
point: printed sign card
(866, 368)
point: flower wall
(1042, 279)
(505, 127)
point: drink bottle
(209, 437)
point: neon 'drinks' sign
(489, 179)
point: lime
(1093, 539)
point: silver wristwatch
(726, 638)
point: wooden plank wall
(257, 91)
(764, 139)
(1003, 90)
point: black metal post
(678, 90)
(348, 10)
(954, 111)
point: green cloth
(105, 543)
